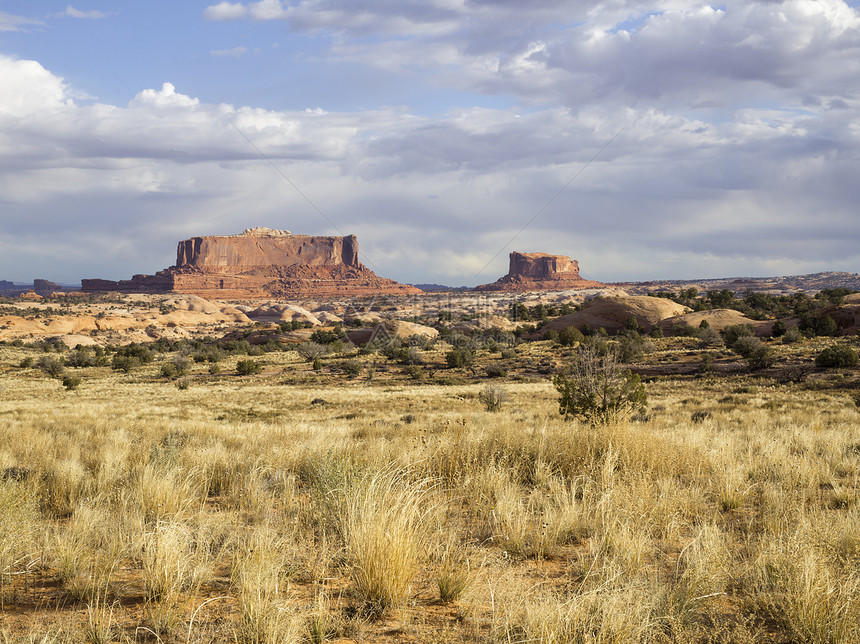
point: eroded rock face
(540, 271)
(262, 249)
(261, 263)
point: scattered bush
(496, 370)
(492, 397)
(746, 345)
(459, 357)
(509, 354)
(26, 363)
(71, 383)
(414, 371)
(836, 357)
(311, 351)
(597, 389)
(248, 367)
(709, 337)
(570, 336)
(124, 363)
(794, 373)
(761, 358)
(792, 335)
(735, 331)
(778, 329)
(352, 368)
(51, 366)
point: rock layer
(540, 272)
(261, 263)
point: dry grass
(353, 518)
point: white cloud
(755, 187)
(28, 88)
(235, 52)
(267, 10)
(71, 12)
(225, 11)
(8, 22)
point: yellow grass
(350, 518)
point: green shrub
(352, 368)
(26, 363)
(778, 329)
(569, 336)
(709, 337)
(496, 370)
(51, 366)
(597, 389)
(761, 358)
(323, 336)
(792, 335)
(124, 363)
(746, 345)
(735, 331)
(414, 371)
(459, 357)
(248, 367)
(836, 356)
(71, 383)
(509, 354)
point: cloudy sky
(650, 140)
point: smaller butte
(540, 272)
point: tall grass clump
(89, 549)
(19, 517)
(385, 523)
(260, 581)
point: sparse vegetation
(305, 505)
(597, 389)
(248, 367)
(836, 357)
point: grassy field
(302, 505)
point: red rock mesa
(540, 272)
(261, 263)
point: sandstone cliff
(540, 272)
(261, 263)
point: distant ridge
(439, 287)
(809, 283)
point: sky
(649, 140)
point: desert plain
(397, 469)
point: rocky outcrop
(540, 272)
(261, 263)
(45, 288)
(612, 314)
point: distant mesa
(45, 288)
(261, 263)
(540, 272)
